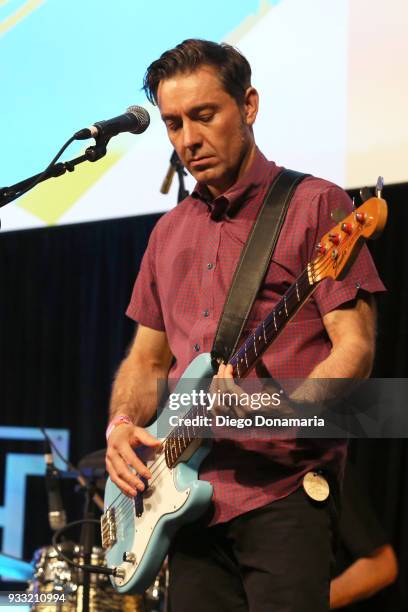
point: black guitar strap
(253, 264)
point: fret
(169, 456)
(176, 450)
(183, 440)
(286, 307)
(297, 292)
(310, 272)
(194, 413)
(178, 442)
(278, 315)
(174, 454)
(238, 372)
(245, 352)
(264, 332)
(194, 433)
(188, 437)
(274, 320)
(166, 454)
(291, 303)
(171, 450)
(256, 352)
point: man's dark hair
(232, 67)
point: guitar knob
(321, 249)
(129, 557)
(347, 228)
(361, 217)
(334, 239)
(119, 572)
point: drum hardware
(79, 570)
(52, 574)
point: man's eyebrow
(193, 111)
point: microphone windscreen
(142, 116)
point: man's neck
(246, 163)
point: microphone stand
(87, 542)
(92, 154)
(175, 166)
(181, 173)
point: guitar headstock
(341, 245)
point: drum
(53, 575)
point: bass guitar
(136, 533)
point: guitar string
(319, 265)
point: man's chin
(207, 176)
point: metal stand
(87, 542)
(175, 166)
(181, 173)
(92, 154)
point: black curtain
(63, 334)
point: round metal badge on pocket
(316, 486)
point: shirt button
(206, 312)
(196, 347)
(210, 266)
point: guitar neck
(182, 437)
(266, 333)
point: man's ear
(251, 105)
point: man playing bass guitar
(265, 545)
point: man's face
(211, 134)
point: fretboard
(270, 328)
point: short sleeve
(145, 306)
(362, 275)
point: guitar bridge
(108, 528)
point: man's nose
(191, 135)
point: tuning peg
(365, 194)
(321, 249)
(361, 217)
(347, 228)
(334, 239)
(379, 186)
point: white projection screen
(332, 77)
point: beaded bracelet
(118, 420)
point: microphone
(57, 517)
(136, 120)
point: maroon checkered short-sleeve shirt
(181, 288)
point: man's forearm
(363, 578)
(348, 360)
(334, 375)
(135, 390)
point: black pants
(272, 559)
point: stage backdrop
(333, 102)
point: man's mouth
(199, 161)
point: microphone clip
(98, 150)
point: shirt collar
(238, 194)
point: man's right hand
(120, 455)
